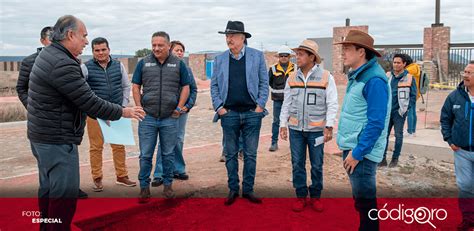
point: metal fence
(459, 56)
(415, 51)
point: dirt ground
(417, 176)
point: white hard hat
(284, 50)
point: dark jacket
(277, 79)
(161, 85)
(59, 98)
(24, 77)
(457, 119)
(106, 83)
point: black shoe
(181, 176)
(393, 163)
(82, 195)
(231, 198)
(252, 198)
(273, 147)
(156, 182)
(144, 195)
(383, 163)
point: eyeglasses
(468, 73)
(284, 56)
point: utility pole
(437, 15)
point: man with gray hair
(239, 92)
(24, 77)
(58, 100)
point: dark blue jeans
(58, 170)
(299, 143)
(364, 191)
(411, 120)
(241, 144)
(246, 124)
(148, 131)
(396, 122)
(276, 120)
(179, 164)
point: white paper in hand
(318, 141)
(119, 131)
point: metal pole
(437, 14)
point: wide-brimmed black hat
(235, 27)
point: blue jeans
(148, 130)
(276, 120)
(241, 144)
(464, 169)
(299, 142)
(397, 122)
(364, 191)
(179, 165)
(58, 170)
(246, 124)
(411, 120)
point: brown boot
(98, 187)
(125, 182)
(144, 195)
(168, 192)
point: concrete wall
(129, 64)
(10, 66)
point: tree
(142, 52)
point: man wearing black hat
(239, 91)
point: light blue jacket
(365, 137)
(256, 73)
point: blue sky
(128, 25)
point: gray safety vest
(307, 110)
(403, 92)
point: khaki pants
(96, 142)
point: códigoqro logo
(421, 215)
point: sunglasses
(284, 56)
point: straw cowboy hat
(362, 39)
(235, 27)
(311, 46)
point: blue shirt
(376, 94)
(185, 78)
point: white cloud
(128, 25)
